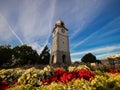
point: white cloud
(106, 49)
(35, 22)
(31, 20)
(4, 29)
(76, 59)
(36, 46)
(84, 40)
(89, 10)
(99, 33)
(102, 56)
(100, 53)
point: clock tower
(60, 53)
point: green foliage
(23, 87)
(25, 54)
(10, 75)
(88, 58)
(17, 56)
(45, 55)
(117, 69)
(5, 54)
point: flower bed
(49, 78)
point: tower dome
(60, 22)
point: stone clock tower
(60, 53)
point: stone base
(60, 57)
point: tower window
(64, 59)
(52, 59)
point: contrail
(12, 30)
(15, 35)
(50, 21)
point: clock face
(62, 30)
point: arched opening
(52, 59)
(63, 58)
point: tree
(19, 55)
(5, 54)
(25, 55)
(98, 61)
(45, 56)
(88, 58)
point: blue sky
(94, 25)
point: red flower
(14, 82)
(66, 77)
(69, 76)
(75, 74)
(63, 76)
(46, 81)
(113, 71)
(85, 74)
(59, 72)
(56, 77)
(53, 78)
(4, 86)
